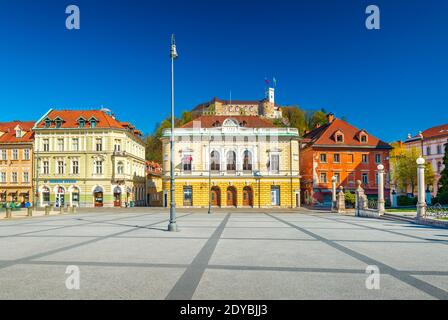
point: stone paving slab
(230, 254)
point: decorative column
(381, 201)
(333, 193)
(421, 204)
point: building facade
(154, 192)
(233, 161)
(431, 144)
(338, 149)
(16, 162)
(87, 158)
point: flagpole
(173, 224)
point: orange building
(16, 162)
(338, 149)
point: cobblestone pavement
(233, 254)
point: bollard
(47, 210)
(29, 212)
(8, 213)
(61, 210)
(73, 209)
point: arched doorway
(247, 197)
(231, 197)
(215, 196)
(60, 197)
(117, 197)
(98, 197)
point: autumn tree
(443, 181)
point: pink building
(431, 144)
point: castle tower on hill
(265, 107)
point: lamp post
(333, 193)
(209, 178)
(421, 205)
(381, 207)
(173, 224)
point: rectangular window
(428, 150)
(75, 167)
(350, 158)
(15, 154)
(99, 144)
(99, 167)
(117, 146)
(351, 178)
(323, 177)
(60, 144)
(439, 149)
(188, 196)
(26, 177)
(365, 158)
(26, 154)
(46, 145)
(275, 163)
(365, 179)
(60, 167)
(337, 175)
(336, 158)
(3, 177)
(376, 178)
(14, 178)
(46, 167)
(323, 158)
(75, 144)
(378, 158)
(4, 155)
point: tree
(404, 168)
(443, 181)
(295, 117)
(314, 118)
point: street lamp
(209, 178)
(172, 225)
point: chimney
(330, 117)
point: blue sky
(391, 81)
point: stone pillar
(421, 204)
(393, 199)
(340, 203)
(361, 198)
(381, 202)
(333, 193)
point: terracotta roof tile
(324, 136)
(70, 118)
(8, 134)
(436, 131)
(249, 121)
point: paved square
(302, 254)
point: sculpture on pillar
(361, 198)
(340, 202)
(333, 193)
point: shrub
(350, 199)
(441, 198)
(406, 201)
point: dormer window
(58, 122)
(47, 123)
(92, 123)
(362, 136)
(339, 136)
(18, 133)
(81, 122)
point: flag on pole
(266, 81)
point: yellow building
(88, 158)
(233, 161)
(16, 162)
(154, 192)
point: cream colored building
(88, 158)
(233, 161)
